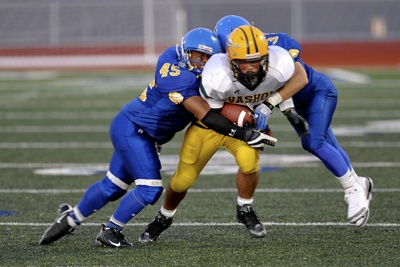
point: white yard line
(210, 190)
(312, 224)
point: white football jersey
(218, 85)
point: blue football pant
(135, 159)
(318, 110)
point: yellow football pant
(199, 145)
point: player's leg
(110, 188)
(365, 182)
(198, 146)
(140, 159)
(322, 143)
(247, 159)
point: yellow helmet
(248, 44)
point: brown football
(237, 114)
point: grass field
(54, 143)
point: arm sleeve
(222, 125)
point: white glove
(261, 114)
(257, 139)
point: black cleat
(59, 228)
(247, 216)
(155, 228)
(112, 238)
(63, 207)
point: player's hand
(261, 116)
(298, 122)
(257, 139)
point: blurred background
(131, 33)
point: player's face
(246, 67)
(199, 59)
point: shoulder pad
(215, 72)
(215, 79)
(281, 64)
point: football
(238, 114)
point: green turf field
(54, 144)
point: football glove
(261, 116)
(298, 122)
(256, 139)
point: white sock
(355, 175)
(347, 180)
(167, 213)
(71, 222)
(78, 214)
(243, 201)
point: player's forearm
(222, 125)
(294, 85)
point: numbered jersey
(219, 86)
(158, 110)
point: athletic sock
(112, 223)
(243, 201)
(347, 180)
(167, 213)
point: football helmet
(225, 26)
(201, 40)
(248, 44)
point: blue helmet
(226, 25)
(201, 40)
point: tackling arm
(282, 97)
(295, 84)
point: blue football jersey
(293, 47)
(158, 110)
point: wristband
(275, 99)
(269, 105)
(288, 103)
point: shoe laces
(161, 219)
(115, 232)
(160, 222)
(249, 214)
(119, 235)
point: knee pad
(148, 194)
(247, 159)
(181, 181)
(110, 190)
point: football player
(168, 104)
(248, 74)
(315, 99)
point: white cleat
(368, 184)
(358, 198)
